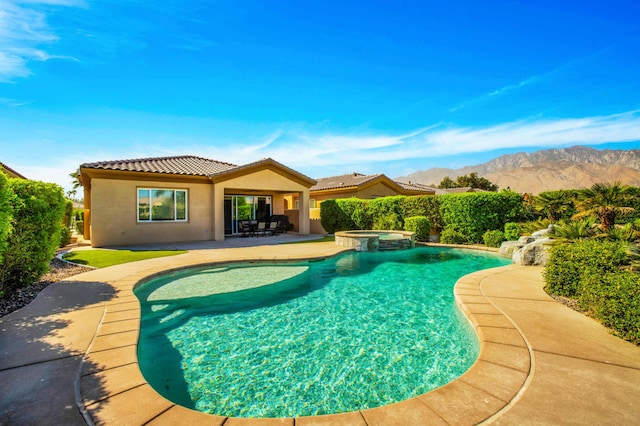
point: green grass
(103, 258)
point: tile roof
(180, 165)
(350, 180)
(8, 170)
(413, 186)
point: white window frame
(175, 205)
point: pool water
(352, 332)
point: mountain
(546, 170)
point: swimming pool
(291, 339)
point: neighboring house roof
(352, 180)
(9, 171)
(359, 180)
(464, 189)
(180, 165)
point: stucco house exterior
(186, 198)
(359, 185)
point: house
(360, 186)
(186, 198)
(10, 172)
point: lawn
(103, 258)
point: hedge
(419, 225)
(38, 211)
(424, 205)
(493, 238)
(6, 212)
(569, 263)
(386, 212)
(473, 214)
(613, 298)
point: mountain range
(546, 170)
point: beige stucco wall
(375, 191)
(114, 214)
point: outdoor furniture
(273, 228)
(283, 221)
(261, 229)
(245, 228)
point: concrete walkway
(69, 357)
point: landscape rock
(544, 233)
(533, 254)
(508, 247)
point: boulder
(508, 247)
(544, 233)
(526, 240)
(533, 254)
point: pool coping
(110, 385)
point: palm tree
(553, 203)
(77, 183)
(606, 201)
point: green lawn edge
(99, 258)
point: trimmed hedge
(424, 205)
(569, 263)
(386, 212)
(6, 213)
(473, 214)
(38, 211)
(590, 272)
(419, 225)
(614, 299)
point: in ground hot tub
(375, 240)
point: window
(162, 205)
(312, 204)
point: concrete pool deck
(69, 357)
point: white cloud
(25, 36)
(298, 148)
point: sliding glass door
(244, 207)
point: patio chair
(245, 228)
(273, 228)
(261, 229)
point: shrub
(511, 231)
(357, 210)
(419, 225)
(473, 214)
(614, 299)
(493, 238)
(452, 236)
(38, 210)
(386, 212)
(333, 218)
(65, 236)
(6, 212)
(424, 205)
(569, 263)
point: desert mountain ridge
(546, 170)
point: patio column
(217, 210)
(303, 213)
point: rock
(544, 233)
(508, 247)
(533, 254)
(526, 240)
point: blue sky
(324, 87)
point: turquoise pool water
(356, 331)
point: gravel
(58, 271)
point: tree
(472, 181)
(447, 183)
(475, 181)
(606, 201)
(77, 183)
(553, 204)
